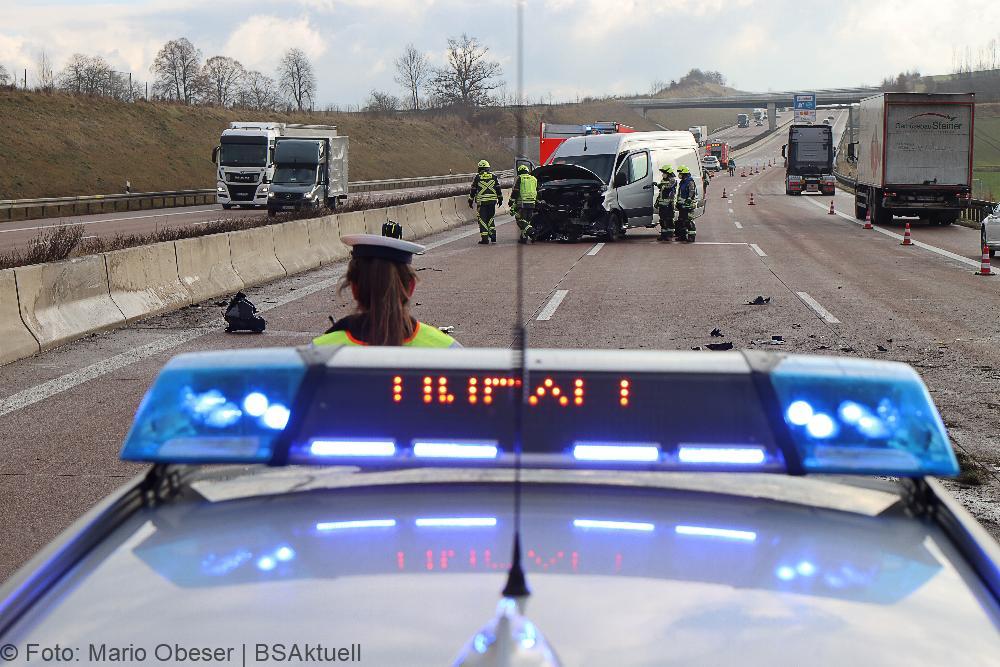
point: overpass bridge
(834, 97)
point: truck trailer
(809, 160)
(244, 159)
(700, 133)
(551, 135)
(309, 172)
(914, 155)
(742, 120)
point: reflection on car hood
(562, 172)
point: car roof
(619, 569)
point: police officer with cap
(382, 281)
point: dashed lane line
(66, 382)
(550, 308)
(899, 237)
(738, 224)
(596, 249)
(823, 313)
(756, 249)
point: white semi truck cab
(244, 159)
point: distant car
(711, 163)
(759, 123)
(826, 121)
(990, 231)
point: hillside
(56, 145)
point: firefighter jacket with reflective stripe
(667, 192)
(687, 194)
(423, 336)
(525, 189)
(485, 188)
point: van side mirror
(621, 177)
(783, 148)
(215, 155)
(850, 151)
(526, 162)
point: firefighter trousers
(685, 225)
(666, 219)
(485, 212)
(522, 216)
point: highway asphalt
(834, 288)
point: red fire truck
(550, 135)
(719, 149)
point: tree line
(179, 74)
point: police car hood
(565, 172)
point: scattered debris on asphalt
(696, 348)
(759, 301)
(429, 268)
(447, 329)
(775, 340)
(242, 315)
(779, 339)
(882, 349)
(847, 349)
(719, 347)
(716, 333)
(823, 347)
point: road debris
(881, 348)
(716, 333)
(759, 301)
(429, 268)
(719, 347)
(447, 329)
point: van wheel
(227, 206)
(612, 224)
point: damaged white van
(602, 185)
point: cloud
(260, 40)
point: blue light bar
(455, 450)
(456, 522)
(634, 453)
(601, 524)
(864, 417)
(352, 448)
(216, 407)
(326, 526)
(722, 533)
(721, 455)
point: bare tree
(177, 66)
(219, 80)
(46, 75)
(4, 76)
(87, 75)
(469, 77)
(382, 102)
(412, 72)
(258, 91)
(296, 78)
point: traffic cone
(832, 212)
(743, 173)
(984, 266)
(723, 193)
(868, 219)
(906, 236)
(751, 200)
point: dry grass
(67, 241)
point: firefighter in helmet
(687, 200)
(666, 196)
(487, 196)
(522, 202)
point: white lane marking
(69, 222)
(65, 382)
(550, 308)
(756, 249)
(596, 249)
(730, 211)
(899, 237)
(738, 225)
(720, 243)
(819, 310)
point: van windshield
(598, 163)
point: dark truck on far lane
(809, 160)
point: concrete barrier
(16, 342)
(143, 281)
(432, 213)
(415, 220)
(352, 223)
(374, 218)
(292, 247)
(205, 267)
(251, 252)
(324, 234)
(63, 301)
(449, 210)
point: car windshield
(244, 153)
(295, 175)
(600, 164)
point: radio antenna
(517, 585)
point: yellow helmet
(683, 170)
(483, 164)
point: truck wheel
(271, 213)
(331, 203)
(880, 216)
(611, 227)
(227, 206)
(944, 222)
(860, 211)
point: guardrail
(30, 209)
(976, 211)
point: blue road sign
(805, 101)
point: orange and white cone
(751, 200)
(832, 212)
(723, 193)
(743, 173)
(984, 266)
(868, 219)
(906, 236)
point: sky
(573, 48)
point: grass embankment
(58, 145)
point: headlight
(221, 189)
(309, 195)
(270, 195)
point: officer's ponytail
(382, 289)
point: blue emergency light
(627, 410)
